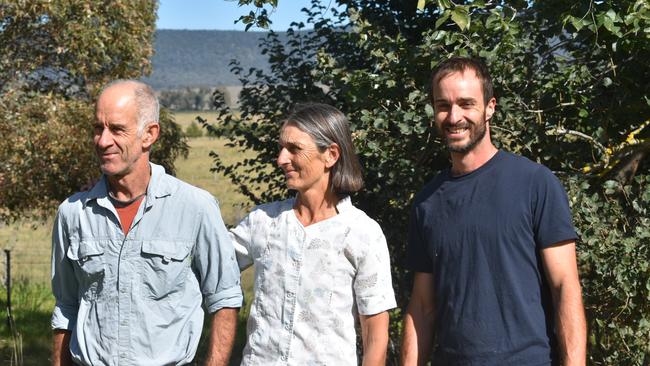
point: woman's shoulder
(272, 209)
(358, 220)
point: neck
(131, 185)
(312, 207)
(463, 163)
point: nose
(283, 157)
(455, 114)
(104, 138)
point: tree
(572, 88)
(54, 58)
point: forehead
(290, 133)
(116, 104)
(459, 84)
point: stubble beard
(477, 132)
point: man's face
(116, 139)
(460, 113)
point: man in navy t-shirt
(491, 244)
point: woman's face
(305, 167)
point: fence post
(8, 272)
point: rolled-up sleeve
(64, 283)
(241, 239)
(373, 285)
(214, 262)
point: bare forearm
(418, 338)
(419, 322)
(61, 348)
(562, 272)
(222, 336)
(571, 326)
(374, 331)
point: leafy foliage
(193, 130)
(54, 57)
(571, 80)
(613, 223)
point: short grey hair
(146, 101)
(327, 125)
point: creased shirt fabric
(481, 236)
(136, 299)
(311, 283)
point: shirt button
(287, 327)
(284, 358)
(289, 294)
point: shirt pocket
(89, 260)
(165, 267)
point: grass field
(30, 247)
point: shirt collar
(158, 187)
(344, 204)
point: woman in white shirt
(320, 263)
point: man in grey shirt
(135, 257)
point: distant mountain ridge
(200, 58)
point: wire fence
(26, 267)
(30, 246)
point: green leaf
(421, 4)
(428, 109)
(607, 81)
(444, 4)
(460, 16)
(575, 22)
(442, 19)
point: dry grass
(196, 170)
(30, 246)
(30, 242)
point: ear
(489, 108)
(150, 135)
(332, 155)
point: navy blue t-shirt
(480, 235)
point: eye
(116, 129)
(440, 107)
(293, 149)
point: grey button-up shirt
(136, 299)
(311, 283)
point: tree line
(572, 87)
(571, 80)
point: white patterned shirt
(311, 283)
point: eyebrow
(461, 100)
(467, 100)
(282, 141)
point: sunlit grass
(30, 245)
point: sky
(221, 14)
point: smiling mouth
(106, 155)
(456, 129)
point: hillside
(200, 58)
